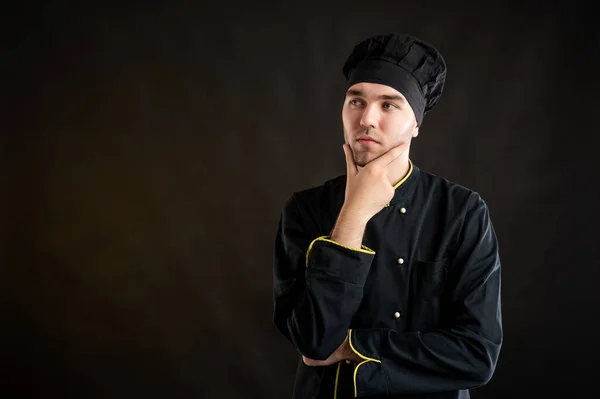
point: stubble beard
(361, 160)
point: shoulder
(456, 194)
(326, 193)
(463, 208)
(313, 208)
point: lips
(365, 139)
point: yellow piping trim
(363, 249)
(311, 245)
(365, 360)
(404, 178)
(337, 376)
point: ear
(416, 131)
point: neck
(398, 169)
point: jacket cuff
(369, 375)
(348, 264)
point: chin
(364, 160)
(365, 157)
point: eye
(354, 102)
(389, 106)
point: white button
(397, 314)
(400, 260)
(347, 361)
(402, 210)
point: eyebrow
(359, 93)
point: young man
(387, 279)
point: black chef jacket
(420, 300)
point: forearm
(314, 311)
(349, 228)
(462, 354)
(422, 363)
(318, 281)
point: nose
(369, 117)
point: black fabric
(345, 386)
(446, 291)
(403, 62)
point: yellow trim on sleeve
(365, 360)
(337, 376)
(368, 359)
(363, 248)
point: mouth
(367, 140)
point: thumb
(351, 168)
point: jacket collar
(406, 186)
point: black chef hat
(405, 63)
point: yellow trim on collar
(410, 170)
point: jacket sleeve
(462, 354)
(317, 283)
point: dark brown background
(148, 149)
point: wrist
(349, 228)
(352, 215)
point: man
(387, 279)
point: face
(376, 118)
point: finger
(311, 362)
(351, 168)
(390, 156)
